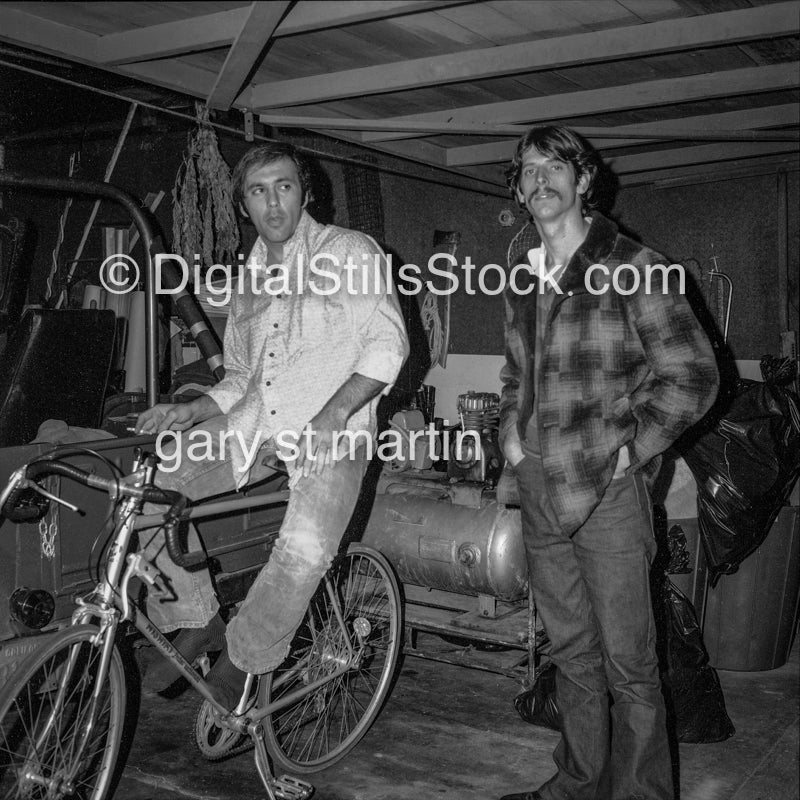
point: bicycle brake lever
(35, 486)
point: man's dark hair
(556, 141)
(264, 154)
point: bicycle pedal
(287, 787)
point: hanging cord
(432, 324)
(73, 160)
(109, 170)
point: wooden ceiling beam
(251, 41)
(660, 92)
(664, 129)
(169, 39)
(728, 27)
(176, 76)
(28, 30)
(419, 128)
(700, 154)
(484, 179)
(744, 123)
(712, 173)
(221, 28)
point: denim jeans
(592, 592)
(317, 515)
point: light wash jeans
(317, 515)
(592, 592)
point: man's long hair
(563, 144)
(264, 154)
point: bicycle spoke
(317, 729)
(56, 739)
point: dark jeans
(592, 592)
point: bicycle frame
(335, 639)
(113, 605)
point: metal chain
(48, 533)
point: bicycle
(62, 710)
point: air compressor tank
(456, 537)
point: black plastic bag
(745, 464)
(537, 705)
(691, 687)
(693, 695)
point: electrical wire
(108, 528)
(490, 186)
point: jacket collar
(595, 249)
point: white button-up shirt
(289, 348)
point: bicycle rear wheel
(316, 730)
(54, 740)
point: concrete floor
(451, 732)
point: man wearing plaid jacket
(606, 365)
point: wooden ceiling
(663, 87)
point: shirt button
(274, 324)
(272, 355)
(269, 383)
(272, 412)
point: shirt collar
(258, 255)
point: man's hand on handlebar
(165, 417)
(176, 416)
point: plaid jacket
(616, 369)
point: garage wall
(735, 220)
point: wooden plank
(43, 35)
(614, 98)
(312, 15)
(251, 40)
(712, 173)
(743, 123)
(700, 154)
(28, 30)
(172, 38)
(488, 21)
(651, 10)
(351, 124)
(218, 29)
(511, 631)
(175, 75)
(542, 54)
(724, 126)
(483, 179)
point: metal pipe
(146, 233)
(715, 273)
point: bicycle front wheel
(56, 740)
(318, 728)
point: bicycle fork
(105, 642)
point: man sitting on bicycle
(308, 351)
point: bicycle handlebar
(23, 477)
